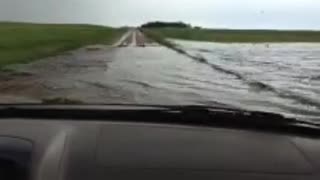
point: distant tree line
(159, 24)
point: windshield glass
(250, 54)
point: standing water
(278, 77)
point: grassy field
(229, 36)
(23, 42)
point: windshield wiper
(234, 115)
(195, 115)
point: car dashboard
(52, 149)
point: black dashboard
(52, 149)
(15, 157)
(112, 150)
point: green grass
(240, 36)
(24, 42)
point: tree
(159, 24)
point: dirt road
(134, 70)
(134, 38)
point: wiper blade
(240, 115)
(193, 115)
(184, 111)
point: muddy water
(281, 78)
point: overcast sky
(262, 14)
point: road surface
(135, 70)
(138, 71)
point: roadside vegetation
(187, 32)
(24, 42)
(159, 24)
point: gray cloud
(279, 14)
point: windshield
(255, 55)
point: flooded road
(135, 70)
(281, 78)
(277, 77)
